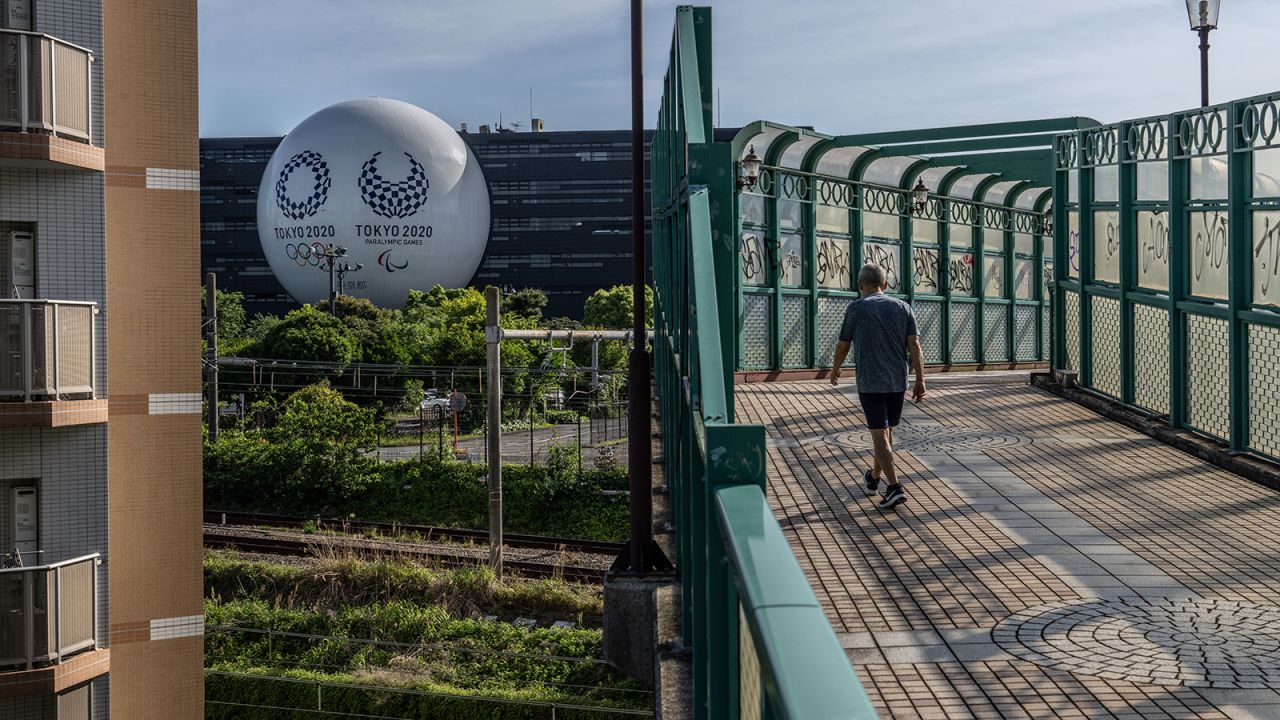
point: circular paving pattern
(932, 438)
(1196, 643)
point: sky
(840, 66)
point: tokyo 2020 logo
(394, 198)
(314, 163)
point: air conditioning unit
(21, 282)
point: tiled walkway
(1048, 562)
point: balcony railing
(46, 350)
(45, 84)
(48, 612)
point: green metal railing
(762, 646)
(975, 261)
(1171, 301)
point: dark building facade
(560, 207)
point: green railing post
(737, 456)
(1128, 173)
(978, 249)
(1179, 269)
(944, 276)
(1085, 359)
(1240, 268)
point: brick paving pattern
(1048, 562)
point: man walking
(883, 332)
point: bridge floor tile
(1048, 562)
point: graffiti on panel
(752, 256)
(792, 268)
(925, 270)
(962, 274)
(1154, 248)
(833, 262)
(1266, 258)
(1073, 244)
(1209, 253)
(887, 258)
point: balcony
(48, 612)
(49, 627)
(46, 97)
(47, 365)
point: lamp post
(750, 170)
(1203, 16)
(919, 197)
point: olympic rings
(304, 254)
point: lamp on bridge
(919, 197)
(750, 170)
(1203, 15)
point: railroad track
(426, 532)
(232, 538)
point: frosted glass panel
(1073, 244)
(888, 257)
(880, 225)
(753, 260)
(1153, 181)
(833, 263)
(1208, 178)
(1208, 246)
(1106, 246)
(1266, 258)
(924, 231)
(1106, 183)
(1153, 250)
(993, 280)
(753, 209)
(833, 219)
(924, 270)
(791, 258)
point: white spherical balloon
(388, 181)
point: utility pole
(642, 555)
(211, 330)
(493, 352)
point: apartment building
(100, 481)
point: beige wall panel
(154, 687)
(155, 517)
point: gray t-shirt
(878, 327)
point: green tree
(378, 338)
(308, 334)
(527, 303)
(231, 317)
(613, 308)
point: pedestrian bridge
(1049, 562)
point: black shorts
(883, 410)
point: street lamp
(919, 197)
(750, 170)
(1203, 16)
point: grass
(341, 581)
(397, 624)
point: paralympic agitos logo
(385, 261)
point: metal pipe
(569, 335)
(1204, 66)
(493, 351)
(211, 313)
(639, 455)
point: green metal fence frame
(733, 559)
(1005, 187)
(1233, 131)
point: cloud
(839, 65)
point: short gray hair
(871, 276)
